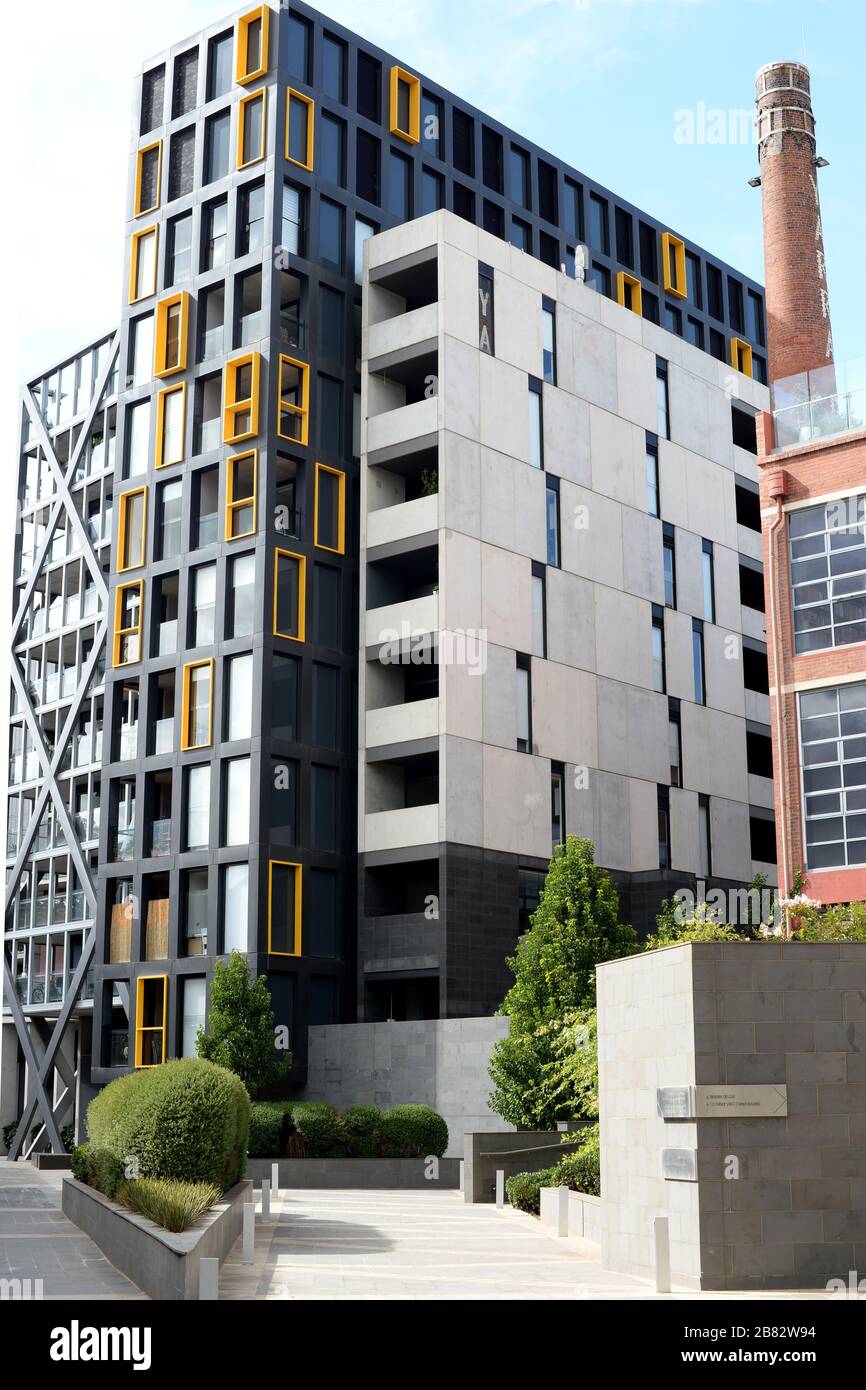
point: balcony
(403, 520)
(822, 404)
(402, 621)
(402, 723)
(401, 425)
(123, 846)
(410, 825)
(419, 326)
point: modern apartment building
(253, 549)
(813, 495)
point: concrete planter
(575, 1214)
(524, 1151)
(382, 1173)
(47, 1162)
(164, 1264)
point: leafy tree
(241, 1026)
(575, 926)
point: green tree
(575, 926)
(241, 1033)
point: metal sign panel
(675, 1102)
(680, 1165)
(712, 1102)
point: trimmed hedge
(187, 1119)
(580, 1171)
(315, 1129)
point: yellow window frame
(628, 292)
(140, 1029)
(676, 285)
(292, 95)
(124, 562)
(135, 256)
(232, 406)
(171, 301)
(301, 634)
(340, 548)
(242, 76)
(160, 460)
(413, 134)
(185, 705)
(285, 864)
(302, 411)
(121, 632)
(741, 356)
(138, 210)
(235, 503)
(262, 96)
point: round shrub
(413, 1131)
(524, 1189)
(319, 1128)
(269, 1125)
(187, 1119)
(362, 1125)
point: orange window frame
(186, 709)
(300, 635)
(138, 210)
(262, 96)
(340, 548)
(741, 356)
(140, 1028)
(161, 365)
(135, 260)
(121, 632)
(160, 460)
(292, 95)
(245, 22)
(399, 76)
(629, 293)
(674, 249)
(302, 411)
(299, 899)
(235, 503)
(234, 406)
(124, 562)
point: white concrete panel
(642, 555)
(504, 408)
(689, 572)
(512, 505)
(461, 790)
(685, 850)
(499, 697)
(723, 659)
(678, 655)
(460, 388)
(506, 598)
(623, 637)
(618, 458)
(643, 822)
(414, 518)
(632, 731)
(714, 752)
(516, 803)
(591, 535)
(611, 808)
(729, 611)
(570, 619)
(564, 714)
(458, 289)
(460, 483)
(517, 325)
(460, 585)
(461, 687)
(566, 436)
(729, 831)
(590, 371)
(636, 382)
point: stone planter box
(583, 1218)
(372, 1173)
(164, 1264)
(47, 1161)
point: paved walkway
(38, 1242)
(410, 1245)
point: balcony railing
(124, 844)
(168, 638)
(163, 735)
(160, 839)
(821, 404)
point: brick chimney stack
(799, 337)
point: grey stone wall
(779, 1202)
(438, 1062)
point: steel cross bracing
(41, 1071)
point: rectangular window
(184, 83)
(252, 115)
(251, 53)
(152, 99)
(536, 424)
(285, 701)
(548, 339)
(326, 696)
(330, 509)
(293, 219)
(217, 147)
(132, 527)
(289, 595)
(827, 547)
(300, 46)
(552, 521)
(239, 685)
(705, 845)
(284, 908)
(323, 782)
(432, 192)
(148, 172)
(405, 106)
(332, 149)
(197, 729)
(128, 604)
(675, 743)
(237, 802)
(251, 218)
(832, 725)
(698, 661)
(178, 255)
(399, 185)
(693, 280)
(170, 520)
(431, 124)
(363, 232)
(334, 68)
(142, 266)
(331, 234)
(203, 605)
(235, 907)
(664, 827)
(241, 597)
(598, 228)
(367, 166)
(300, 127)
(215, 218)
(170, 425)
(652, 474)
(463, 137)
(756, 318)
(663, 399)
(197, 807)
(172, 332)
(137, 438)
(219, 66)
(658, 638)
(709, 581)
(151, 1018)
(557, 804)
(194, 994)
(284, 801)
(293, 419)
(241, 471)
(369, 87)
(674, 265)
(181, 161)
(628, 292)
(520, 177)
(539, 610)
(714, 293)
(670, 565)
(741, 356)
(241, 398)
(523, 692)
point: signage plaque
(680, 1165)
(721, 1102)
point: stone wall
(438, 1062)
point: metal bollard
(661, 1237)
(266, 1200)
(562, 1211)
(249, 1245)
(208, 1277)
(462, 1180)
(500, 1187)
(275, 1180)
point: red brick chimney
(799, 338)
